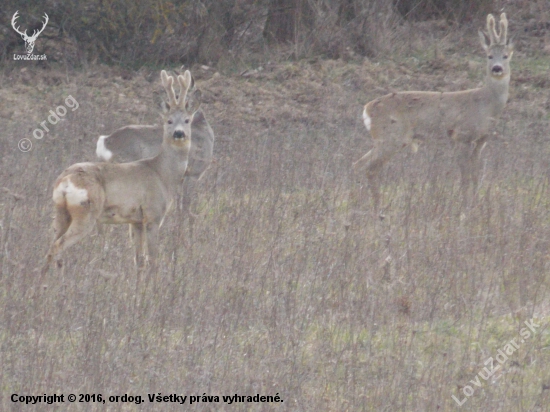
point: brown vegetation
(285, 288)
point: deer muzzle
(497, 69)
(179, 134)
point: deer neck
(171, 165)
(497, 90)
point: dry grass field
(286, 286)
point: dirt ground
(283, 287)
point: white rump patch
(366, 119)
(101, 150)
(67, 190)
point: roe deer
(402, 119)
(139, 193)
(130, 143)
(135, 142)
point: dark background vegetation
(284, 285)
(153, 32)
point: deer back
(135, 142)
(463, 114)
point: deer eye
(186, 120)
(490, 57)
(505, 56)
(169, 122)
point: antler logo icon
(29, 40)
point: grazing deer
(402, 119)
(29, 40)
(140, 193)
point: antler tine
(37, 32)
(493, 36)
(15, 16)
(185, 82)
(167, 83)
(503, 28)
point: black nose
(497, 69)
(179, 134)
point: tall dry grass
(287, 288)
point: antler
(503, 28)
(499, 38)
(185, 83)
(491, 29)
(36, 33)
(15, 16)
(167, 82)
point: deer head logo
(29, 40)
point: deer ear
(165, 107)
(483, 40)
(194, 102)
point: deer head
(178, 112)
(499, 50)
(29, 40)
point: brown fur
(139, 193)
(403, 119)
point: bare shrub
(165, 32)
(456, 11)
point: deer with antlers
(403, 119)
(29, 40)
(140, 193)
(135, 142)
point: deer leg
(189, 189)
(146, 235)
(466, 165)
(151, 242)
(61, 223)
(103, 239)
(139, 234)
(476, 162)
(373, 162)
(372, 165)
(469, 161)
(79, 228)
(395, 135)
(136, 233)
(82, 222)
(373, 177)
